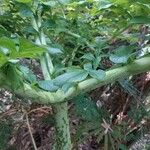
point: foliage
(78, 36)
(66, 36)
(87, 109)
(96, 121)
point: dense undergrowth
(86, 52)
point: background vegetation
(76, 56)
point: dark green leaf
(13, 76)
(143, 1)
(122, 147)
(25, 11)
(140, 20)
(3, 59)
(3, 31)
(86, 108)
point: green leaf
(27, 49)
(13, 61)
(140, 20)
(24, 1)
(86, 108)
(104, 4)
(121, 2)
(97, 74)
(64, 1)
(143, 1)
(4, 50)
(28, 74)
(49, 23)
(96, 62)
(119, 59)
(29, 29)
(88, 66)
(25, 11)
(88, 56)
(121, 54)
(13, 76)
(7, 45)
(74, 76)
(122, 147)
(3, 31)
(50, 3)
(54, 51)
(54, 3)
(48, 85)
(3, 59)
(26, 45)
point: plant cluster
(80, 46)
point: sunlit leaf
(27, 49)
(7, 45)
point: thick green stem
(43, 97)
(62, 139)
